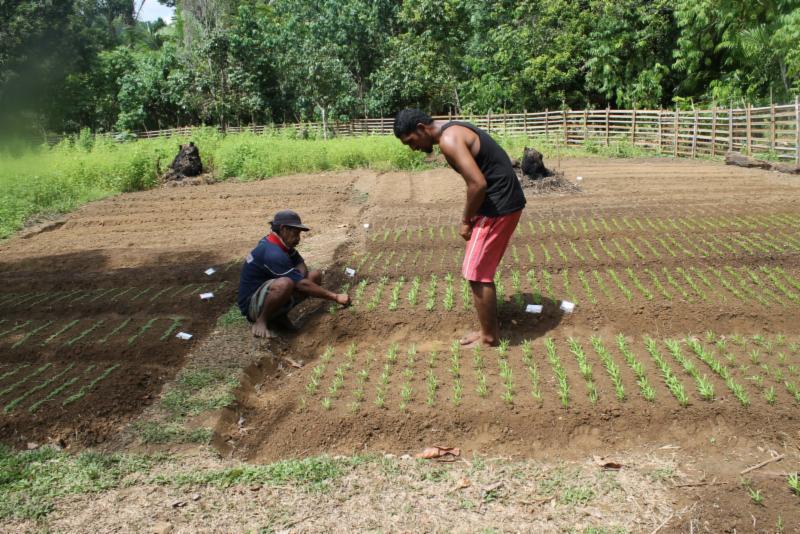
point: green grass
(30, 481)
(200, 390)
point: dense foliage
(89, 63)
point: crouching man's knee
(282, 287)
(315, 276)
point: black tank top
(503, 193)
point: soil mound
(553, 184)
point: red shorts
(485, 249)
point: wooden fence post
(714, 129)
(730, 127)
(749, 114)
(771, 125)
(676, 131)
(505, 122)
(797, 130)
(608, 114)
(660, 133)
(633, 127)
(546, 123)
(489, 121)
(566, 129)
(525, 121)
(585, 125)
(694, 132)
(381, 123)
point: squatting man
(492, 210)
(275, 278)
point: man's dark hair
(407, 119)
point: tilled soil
(694, 252)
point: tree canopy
(76, 64)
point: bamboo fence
(768, 130)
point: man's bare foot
(260, 330)
(470, 338)
(482, 342)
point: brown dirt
(719, 217)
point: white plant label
(349, 272)
(534, 308)
(567, 306)
(579, 178)
(206, 296)
(366, 226)
(210, 271)
(183, 335)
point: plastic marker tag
(349, 272)
(366, 225)
(206, 296)
(534, 308)
(183, 335)
(210, 271)
(579, 178)
(567, 306)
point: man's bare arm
(458, 155)
(307, 287)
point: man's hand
(343, 299)
(465, 231)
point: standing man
(275, 278)
(494, 203)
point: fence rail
(773, 130)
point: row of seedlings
(401, 380)
(768, 286)
(48, 333)
(788, 222)
(29, 382)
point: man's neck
(273, 236)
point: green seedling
(114, 332)
(670, 380)
(144, 328)
(30, 334)
(60, 331)
(611, 367)
(559, 371)
(395, 299)
(88, 387)
(449, 298)
(430, 302)
(645, 388)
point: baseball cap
(289, 218)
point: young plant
(499, 288)
(449, 299)
(395, 299)
(88, 387)
(378, 294)
(638, 284)
(671, 381)
(586, 288)
(611, 367)
(516, 286)
(704, 386)
(625, 291)
(430, 302)
(720, 369)
(559, 371)
(533, 371)
(413, 292)
(585, 368)
(645, 388)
